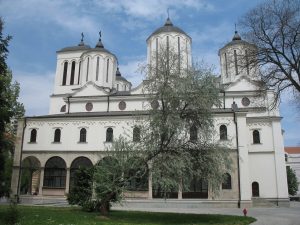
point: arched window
(236, 63)
(33, 134)
(109, 134)
(223, 132)
(136, 134)
(63, 108)
(79, 162)
(226, 65)
(55, 173)
(72, 73)
(82, 137)
(255, 189)
(57, 134)
(136, 176)
(64, 81)
(107, 68)
(87, 69)
(193, 133)
(226, 184)
(256, 137)
(79, 72)
(97, 68)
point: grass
(31, 215)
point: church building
(93, 103)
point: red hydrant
(245, 211)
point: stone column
(41, 181)
(67, 181)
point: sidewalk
(264, 216)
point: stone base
(245, 204)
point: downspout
(20, 164)
(68, 103)
(238, 154)
(107, 103)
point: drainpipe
(20, 164)
(234, 109)
(69, 103)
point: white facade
(90, 94)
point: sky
(42, 27)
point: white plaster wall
(262, 170)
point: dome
(168, 27)
(80, 47)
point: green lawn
(74, 216)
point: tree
(10, 110)
(178, 135)
(292, 181)
(274, 27)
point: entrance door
(255, 189)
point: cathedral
(93, 102)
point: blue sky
(40, 28)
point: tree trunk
(104, 208)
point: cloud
(35, 90)
(131, 70)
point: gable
(244, 84)
(90, 89)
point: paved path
(264, 216)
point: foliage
(65, 215)
(178, 136)
(111, 177)
(81, 191)
(12, 215)
(292, 181)
(273, 26)
(10, 109)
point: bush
(12, 215)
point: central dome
(168, 27)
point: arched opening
(72, 73)
(64, 81)
(226, 184)
(57, 134)
(137, 175)
(33, 135)
(109, 135)
(255, 189)
(30, 176)
(223, 132)
(256, 137)
(79, 162)
(55, 173)
(63, 108)
(136, 134)
(197, 188)
(193, 133)
(82, 137)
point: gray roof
(236, 40)
(122, 78)
(75, 48)
(168, 27)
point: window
(226, 65)
(55, 173)
(80, 162)
(97, 69)
(223, 132)
(107, 68)
(193, 133)
(247, 61)
(79, 72)
(65, 73)
(255, 189)
(178, 47)
(63, 108)
(82, 137)
(33, 134)
(136, 134)
(226, 184)
(87, 69)
(256, 137)
(72, 73)
(57, 134)
(137, 176)
(109, 135)
(235, 63)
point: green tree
(10, 110)
(178, 135)
(292, 181)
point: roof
(75, 48)
(168, 27)
(292, 150)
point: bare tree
(274, 27)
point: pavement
(264, 216)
